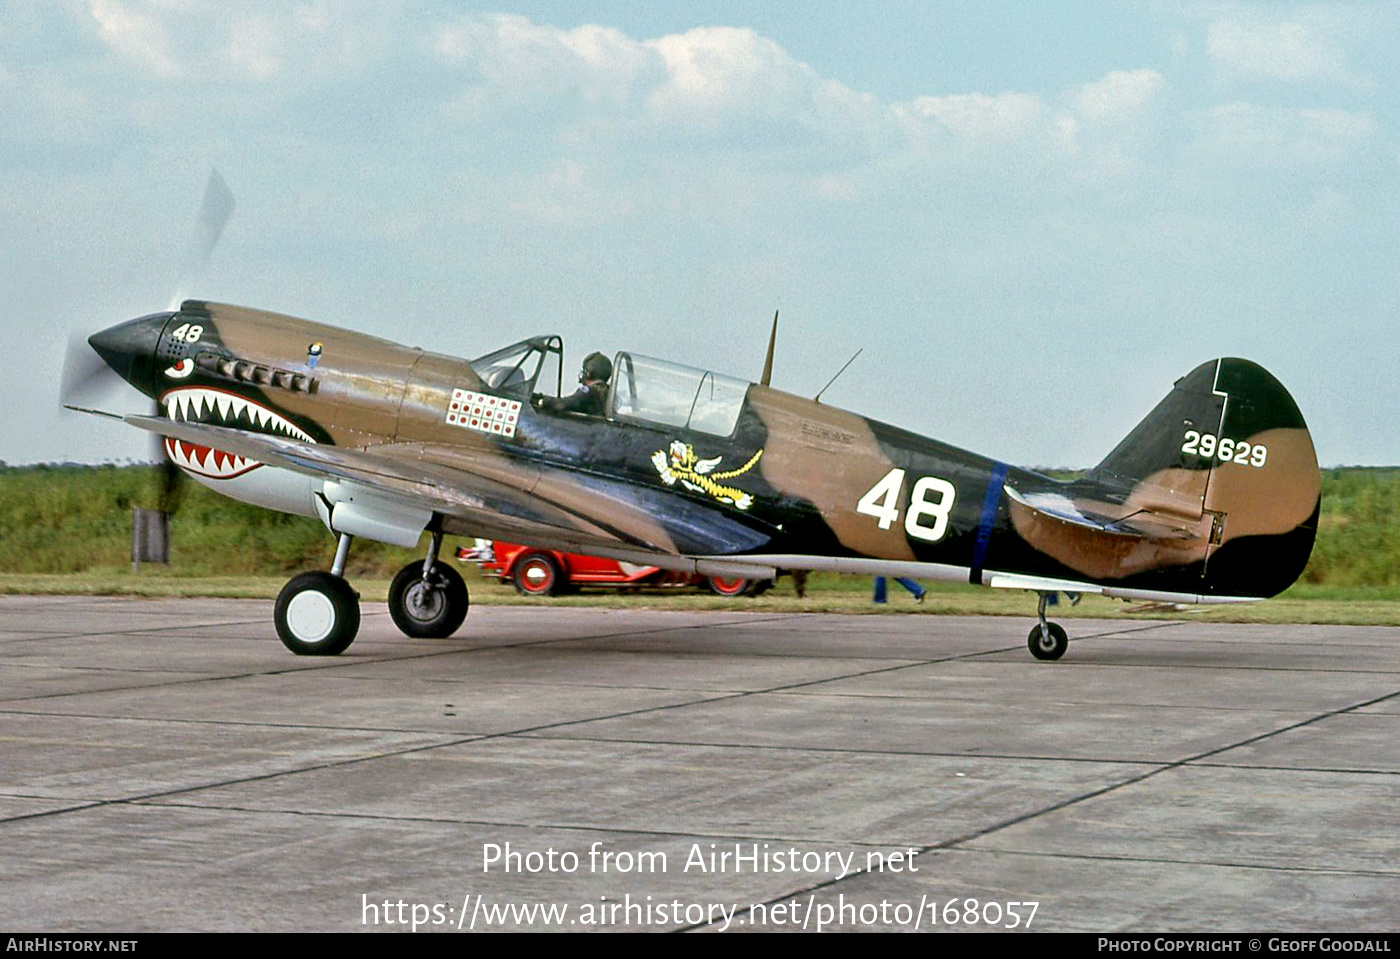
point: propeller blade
(214, 215)
(86, 375)
(170, 481)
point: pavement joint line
(839, 750)
(642, 711)
(1136, 628)
(956, 842)
(1067, 702)
(142, 629)
(321, 665)
(513, 824)
(527, 731)
(80, 806)
(359, 661)
(1307, 722)
(947, 844)
(748, 838)
(383, 755)
(236, 723)
(263, 621)
(740, 694)
(1166, 767)
(703, 699)
(352, 760)
(528, 643)
(239, 780)
(742, 838)
(1246, 767)
(650, 630)
(458, 738)
(184, 681)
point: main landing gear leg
(318, 614)
(428, 600)
(1047, 640)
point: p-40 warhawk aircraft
(1213, 498)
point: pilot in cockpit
(591, 397)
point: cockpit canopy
(669, 394)
(516, 368)
(642, 389)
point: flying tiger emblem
(680, 464)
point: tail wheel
(723, 586)
(317, 614)
(537, 574)
(1048, 644)
(428, 609)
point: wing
(491, 495)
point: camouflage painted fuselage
(1214, 496)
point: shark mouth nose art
(198, 404)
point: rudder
(1229, 448)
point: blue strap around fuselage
(990, 502)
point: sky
(1030, 218)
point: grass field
(67, 530)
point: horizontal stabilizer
(1142, 524)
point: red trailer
(547, 572)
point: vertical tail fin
(1228, 449)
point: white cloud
(714, 71)
(139, 35)
(197, 41)
(519, 59)
(253, 44)
(1119, 93)
(1100, 130)
(1253, 44)
(565, 193)
(978, 117)
(1116, 123)
(588, 114)
(1250, 134)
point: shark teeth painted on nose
(197, 404)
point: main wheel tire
(1048, 647)
(428, 610)
(537, 574)
(724, 586)
(317, 614)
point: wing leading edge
(479, 493)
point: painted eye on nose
(181, 369)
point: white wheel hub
(311, 616)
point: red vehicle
(547, 572)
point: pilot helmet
(596, 366)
